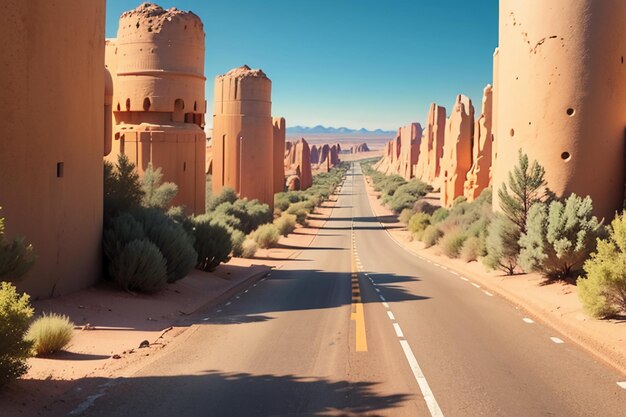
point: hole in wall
(127, 104)
(512, 132)
(118, 107)
(179, 104)
(622, 60)
(184, 166)
(195, 106)
(566, 156)
(60, 166)
(570, 112)
(146, 104)
(137, 25)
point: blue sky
(354, 63)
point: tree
(559, 237)
(525, 184)
(502, 244)
(155, 192)
(603, 290)
(122, 188)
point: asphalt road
(356, 326)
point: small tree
(155, 192)
(15, 316)
(122, 188)
(603, 290)
(525, 185)
(559, 237)
(502, 244)
(16, 256)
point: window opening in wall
(60, 167)
(570, 112)
(184, 166)
(127, 104)
(146, 104)
(566, 156)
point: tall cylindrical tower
(561, 91)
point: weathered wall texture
(457, 150)
(479, 176)
(560, 85)
(243, 135)
(157, 66)
(53, 138)
(279, 154)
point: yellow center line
(357, 312)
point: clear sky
(354, 63)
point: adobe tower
(560, 85)
(157, 66)
(243, 134)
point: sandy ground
(111, 325)
(555, 304)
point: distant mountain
(319, 129)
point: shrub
(452, 243)
(228, 195)
(121, 230)
(16, 256)
(405, 215)
(603, 290)
(140, 266)
(250, 214)
(559, 237)
(122, 188)
(472, 249)
(236, 239)
(431, 236)
(213, 244)
(266, 236)
(407, 194)
(285, 224)
(249, 248)
(50, 333)
(155, 192)
(502, 245)
(15, 316)
(418, 223)
(439, 215)
(301, 211)
(170, 237)
(423, 206)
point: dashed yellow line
(357, 312)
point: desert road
(357, 326)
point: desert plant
(472, 249)
(439, 215)
(266, 236)
(157, 193)
(139, 266)
(407, 194)
(301, 211)
(16, 256)
(212, 243)
(423, 206)
(418, 223)
(250, 214)
(431, 236)
(405, 215)
(120, 231)
(502, 245)
(286, 224)
(50, 333)
(122, 188)
(525, 182)
(228, 195)
(249, 248)
(452, 243)
(15, 316)
(237, 237)
(559, 237)
(603, 290)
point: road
(356, 326)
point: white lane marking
(206, 319)
(557, 340)
(429, 397)
(429, 261)
(391, 316)
(385, 304)
(219, 311)
(444, 267)
(228, 303)
(622, 384)
(464, 279)
(382, 298)
(476, 285)
(377, 290)
(237, 298)
(436, 264)
(398, 330)
(488, 293)
(454, 273)
(246, 291)
(527, 320)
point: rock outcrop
(360, 148)
(431, 148)
(279, 154)
(479, 176)
(315, 156)
(298, 166)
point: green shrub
(16, 256)
(236, 239)
(431, 236)
(249, 248)
(250, 214)
(407, 194)
(170, 237)
(156, 193)
(603, 290)
(418, 223)
(502, 245)
(122, 188)
(405, 215)
(439, 215)
(139, 266)
(452, 243)
(120, 231)
(228, 195)
(266, 236)
(301, 211)
(285, 224)
(213, 244)
(15, 316)
(472, 249)
(50, 333)
(559, 237)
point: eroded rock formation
(298, 165)
(431, 148)
(279, 154)
(360, 148)
(479, 176)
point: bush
(603, 290)
(16, 256)
(472, 249)
(452, 243)
(266, 236)
(439, 215)
(405, 215)
(250, 214)
(423, 206)
(301, 211)
(213, 244)
(228, 195)
(502, 245)
(249, 248)
(285, 224)
(236, 239)
(170, 237)
(406, 195)
(139, 266)
(418, 223)
(155, 192)
(15, 316)
(50, 333)
(121, 230)
(122, 188)
(559, 237)
(431, 236)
